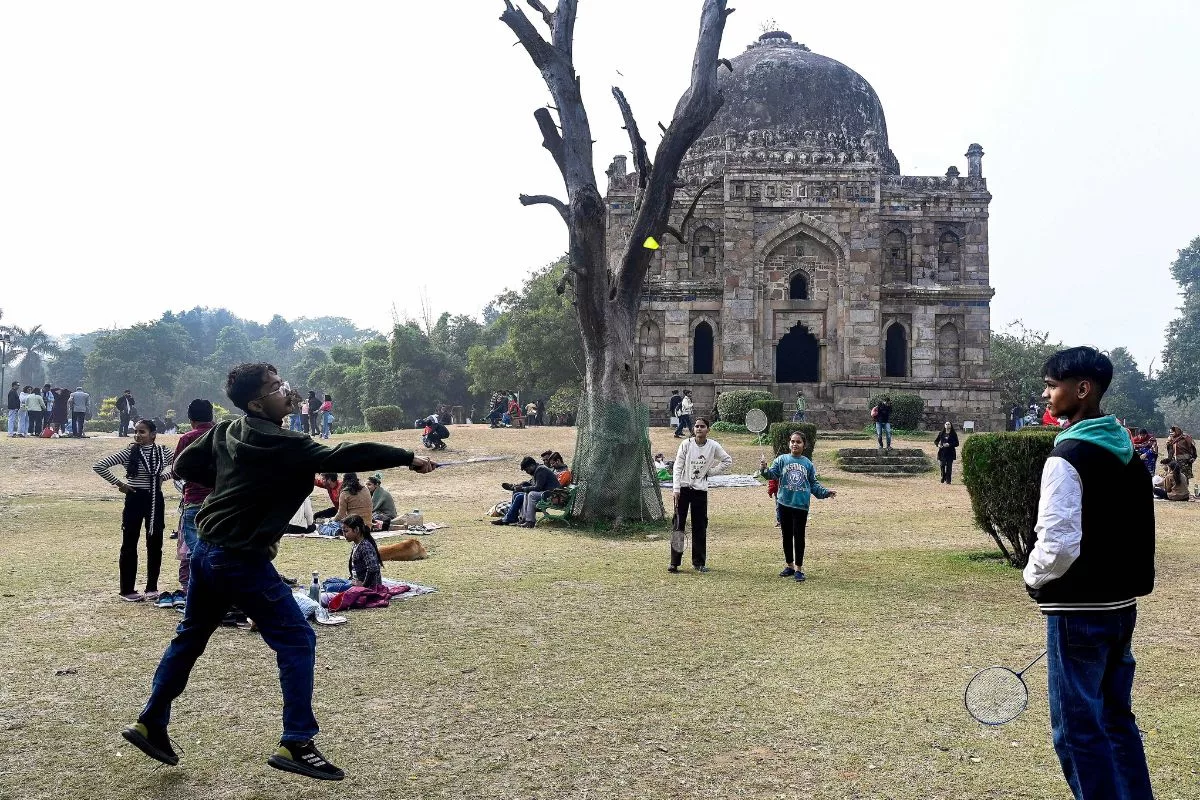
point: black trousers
(697, 502)
(77, 420)
(314, 424)
(35, 422)
(792, 523)
(142, 507)
(123, 430)
(947, 468)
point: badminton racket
(479, 460)
(756, 423)
(997, 695)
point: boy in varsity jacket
(1093, 558)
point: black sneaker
(304, 758)
(153, 743)
(672, 569)
(787, 573)
(499, 521)
(702, 569)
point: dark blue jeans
(1091, 666)
(221, 577)
(514, 508)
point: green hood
(1103, 431)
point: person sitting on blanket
(521, 509)
(365, 566)
(354, 499)
(330, 483)
(383, 507)
(303, 521)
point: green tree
(1018, 355)
(67, 368)
(146, 358)
(32, 347)
(232, 348)
(1132, 396)
(325, 332)
(281, 332)
(1180, 374)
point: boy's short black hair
(1080, 363)
(527, 462)
(244, 382)
(200, 410)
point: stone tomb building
(811, 263)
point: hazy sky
(309, 158)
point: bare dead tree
(607, 301)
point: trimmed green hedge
(772, 408)
(1003, 474)
(385, 418)
(780, 432)
(906, 409)
(727, 427)
(734, 405)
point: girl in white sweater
(698, 457)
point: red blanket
(362, 597)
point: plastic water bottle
(314, 588)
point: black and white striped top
(153, 460)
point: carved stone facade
(811, 264)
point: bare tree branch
(641, 159)
(725, 62)
(696, 200)
(545, 199)
(678, 236)
(547, 14)
(551, 138)
(564, 27)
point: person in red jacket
(333, 487)
(200, 414)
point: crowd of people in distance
(49, 412)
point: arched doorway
(702, 349)
(895, 354)
(798, 357)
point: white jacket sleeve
(677, 471)
(1059, 525)
(721, 461)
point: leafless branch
(641, 159)
(545, 199)
(547, 14)
(551, 138)
(678, 236)
(725, 62)
(696, 200)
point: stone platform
(899, 462)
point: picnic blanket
(420, 530)
(362, 597)
(726, 482)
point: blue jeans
(221, 577)
(23, 422)
(327, 423)
(514, 508)
(191, 538)
(294, 422)
(880, 429)
(1090, 663)
(12, 421)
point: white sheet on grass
(726, 482)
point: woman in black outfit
(947, 444)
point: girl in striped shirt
(146, 466)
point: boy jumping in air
(1093, 558)
(260, 474)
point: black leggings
(697, 501)
(142, 507)
(947, 468)
(792, 522)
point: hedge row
(780, 432)
(1003, 474)
(734, 405)
(906, 409)
(772, 408)
(385, 418)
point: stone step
(874, 451)
(888, 469)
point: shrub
(734, 405)
(772, 408)
(906, 409)
(564, 401)
(727, 427)
(1003, 474)
(780, 432)
(385, 418)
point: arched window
(704, 253)
(649, 347)
(948, 258)
(702, 349)
(948, 351)
(798, 357)
(895, 258)
(798, 288)
(895, 354)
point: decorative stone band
(926, 183)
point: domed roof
(780, 85)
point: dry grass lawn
(561, 663)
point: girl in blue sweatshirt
(797, 482)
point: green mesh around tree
(613, 467)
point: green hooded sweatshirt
(261, 473)
(1104, 432)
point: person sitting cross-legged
(525, 496)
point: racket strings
(996, 695)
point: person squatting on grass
(260, 474)
(697, 459)
(146, 467)
(1093, 558)
(797, 483)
